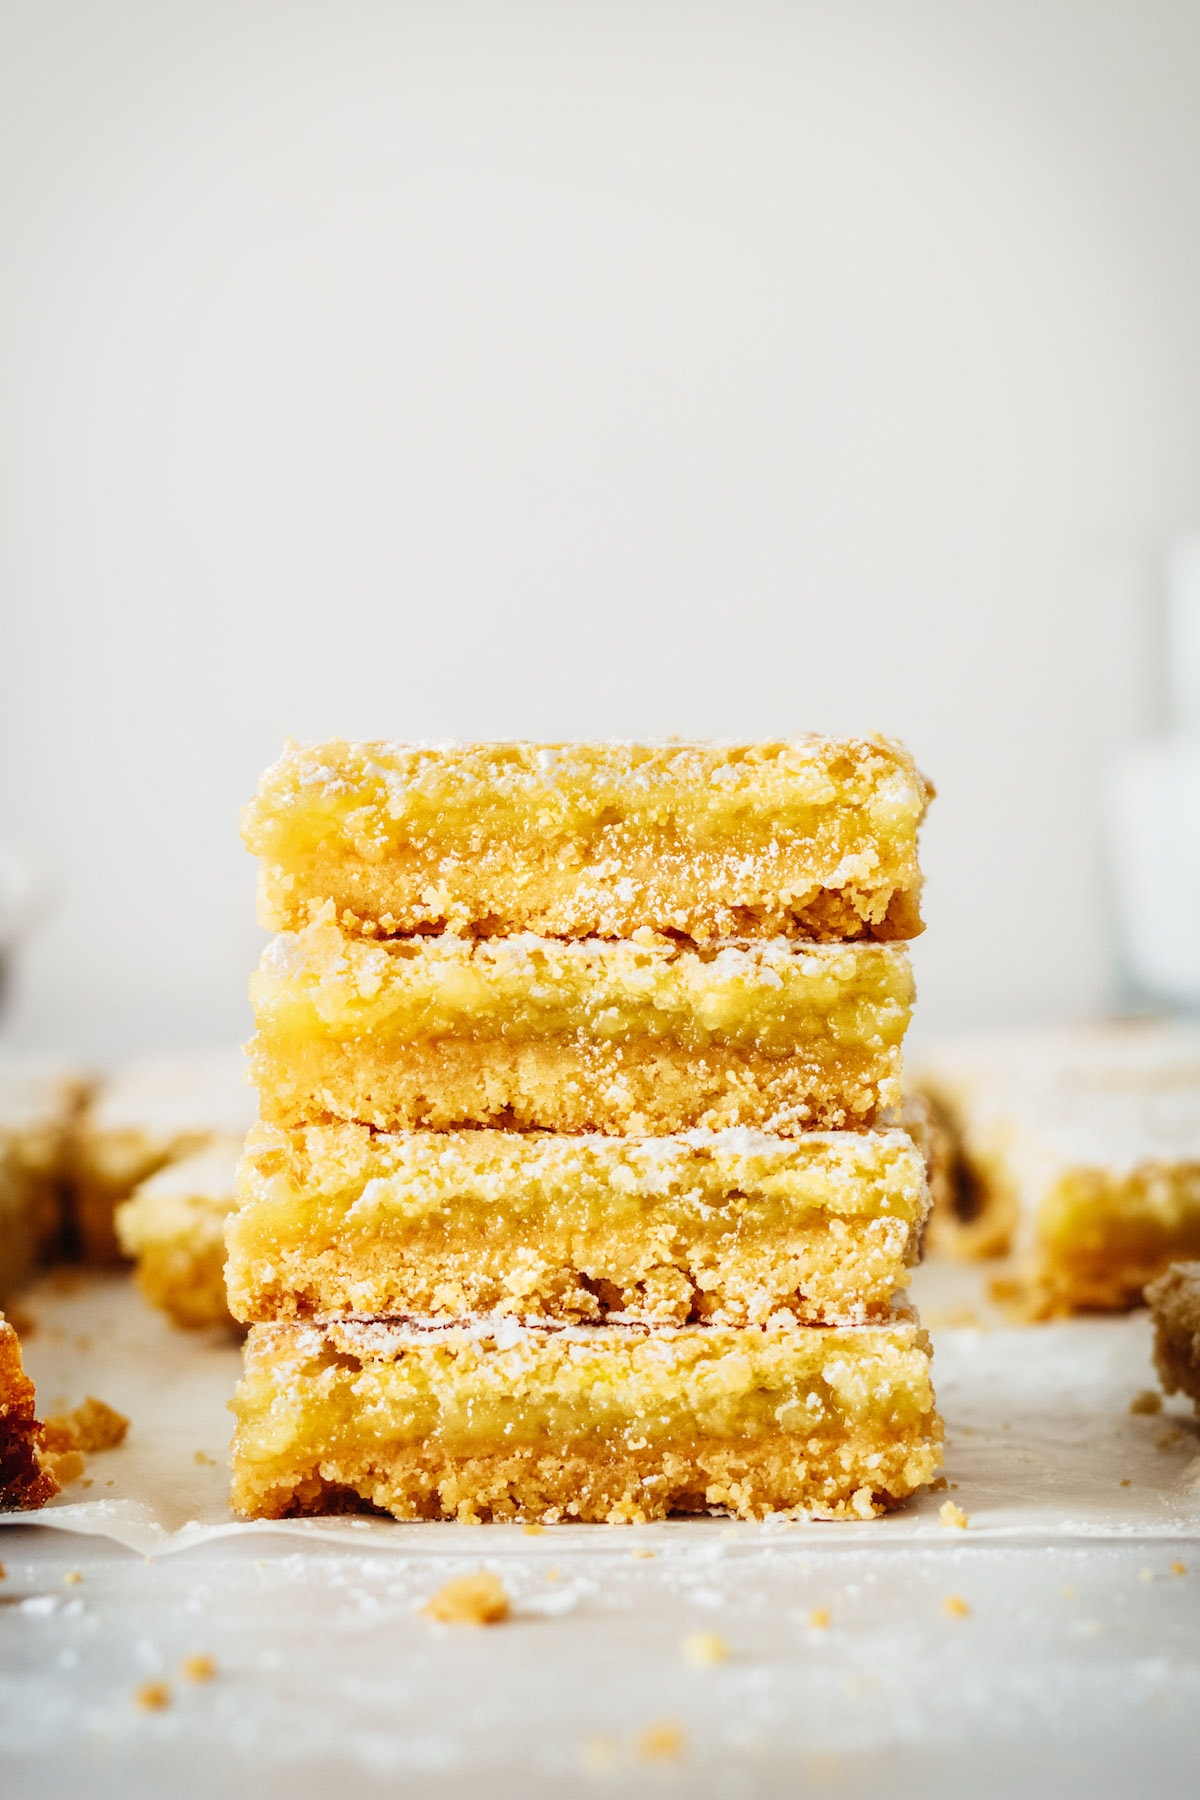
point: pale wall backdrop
(448, 369)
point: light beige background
(470, 369)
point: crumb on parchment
(478, 1599)
(1149, 1400)
(704, 1649)
(955, 1607)
(89, 1427)
(152, 1696)
(661, 1742)
(819, 1618)
(198, 1668)
(1179, 1568)
(951, 1515)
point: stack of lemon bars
(578, 1191)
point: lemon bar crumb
(478, 1599)
(703, 1649)
(661, 1742)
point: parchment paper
(1041, 1443)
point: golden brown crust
(809, 837)
(25, 1480)
(618, 1089)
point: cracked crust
(25, 1480)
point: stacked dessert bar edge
(576, 1192)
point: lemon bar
(149, 1114)
(805, 837)
(610, 1422)
(1175, 1307)
(40, 1100)
(729, 1228)
(1079, 1152)
(173, 1228)
(26, 1481)
(640, 1036)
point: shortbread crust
(173, 1227)
(809, 837)
(640, 1036)
(731, 1228)
(605, 1423)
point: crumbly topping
(90, 1427)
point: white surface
(1077, 1671)
(413, 368)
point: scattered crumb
(90, 1427)
(152, 1696)
(65, 1466)
(71, 1576)
(198, 1668)
(1149, 1400)
(3, 1573)
(643, 1555)
(599, 1754)
(532, 1530)
(954, 1487)
(1145, 1574)
(553, 1574)
(702, 1649)
(939, 1486)
(88, 1481)
(661, 1742)
(203, 1460)
(953, 1317)
(1126, 1482)
(950, 1514)
(469, 1600)
(955, 1607)
(819, 1618)
(1068, 1592)
(1177, 1568)
(1167, 1440)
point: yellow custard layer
(732, 1227)
(644, 1034)
(808, 837)
(610, 1423)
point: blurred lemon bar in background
(173, 1227)
(148, 1114)
(41, 1098)
(609, 1422)
(1077, 1149)
(647, 1035)
(728, 1228)
(806, 837)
